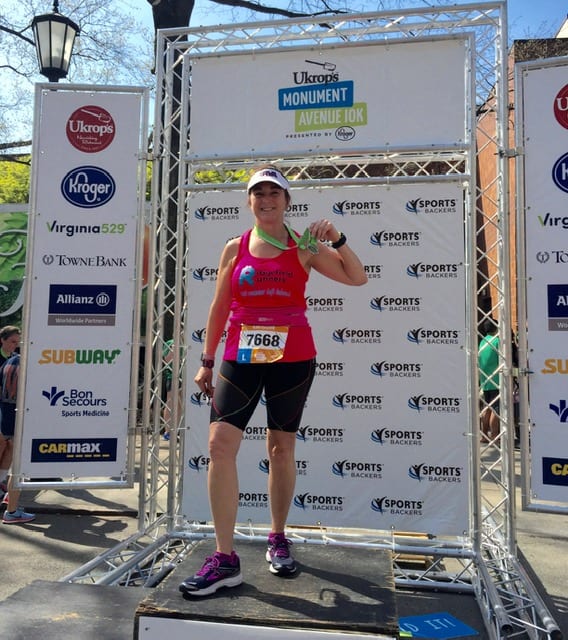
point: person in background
(269, 348)
(8, 393)
(488, 362)
(9, 344)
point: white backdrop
(338, 98)
(544, 117)
(84, 245)
(383, 442)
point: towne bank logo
(323, 103)
(557, 296)
(74, 450)
(82, 304)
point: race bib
(261, 345)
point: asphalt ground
(73, 527)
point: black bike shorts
(239, 387)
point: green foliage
(13, 241)
(14, 181)
(208, 177)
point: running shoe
(17, 517)
(278, 554)
(218, 570)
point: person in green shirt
(488, 362)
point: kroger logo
(88, 187)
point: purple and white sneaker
(278, 554)
(218, 570)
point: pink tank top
(270, 292)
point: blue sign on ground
(434, 626)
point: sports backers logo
(396, 303)
(422, 269)
(88, 187)
(255, 433)
(314, 502)
(435, 473)
(345, 335)
(216, 214)
(198, 335)
(327, 435)
(325, 304)
(398, 437)
(422, 335)
(77, 403)
(394, 506)
(330, 369)
(74, 450)
(384, 369)
(205, 274)
(434, 206)
(301, 466)
(357, 208)
(253, 499)
(198, 463)
(365, 402)
(437, 404)
(357, 469)
(79, 356)
(391, 238)
(199, 399)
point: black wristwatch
(339, 243)
(207, 361)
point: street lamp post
(54, 36)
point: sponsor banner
(383, 441)
(86, 242)
(545, 141)
(334, 101)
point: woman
(261, 292)
(9, 343)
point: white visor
(268, 175)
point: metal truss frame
(484, 560)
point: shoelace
(211, 562)
(281, 545)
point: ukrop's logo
(88, 187)
(560, 409)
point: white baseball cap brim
(268, 175)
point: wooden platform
(336, 589)
(59, 611)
